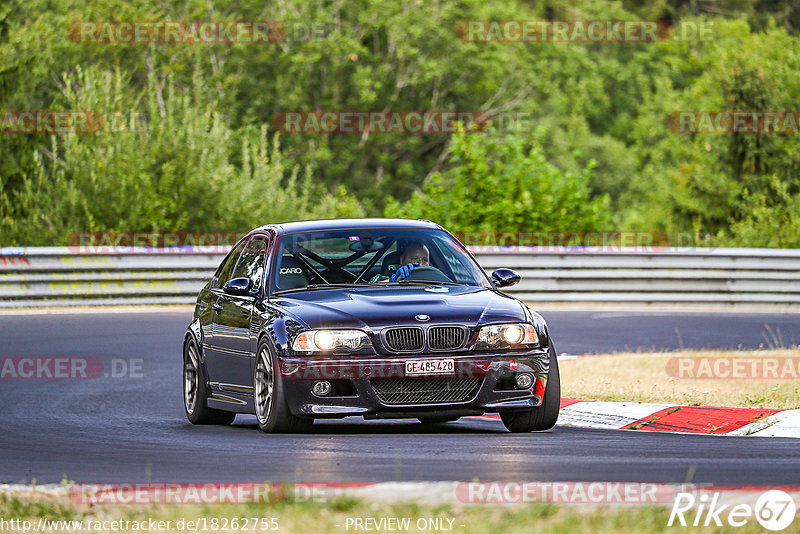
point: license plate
(430, 367)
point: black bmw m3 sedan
(380, 318)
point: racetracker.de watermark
(51, 122)
(414, 122)
(324, 369)
(151, 242)
(581, 31)
(734, 367)
(14, 260)
(734, 122)
(577, 241)
(516, 492)
(586, 241)
(211, 493)
(68, 367)
(198, 31)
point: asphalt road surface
(132, 428)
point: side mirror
(505, 277)
(238, 286)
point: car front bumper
(491, 376)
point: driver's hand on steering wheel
(403, 272)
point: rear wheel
(272, 410)
(195, 391)
(541, 417)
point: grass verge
(650, 377)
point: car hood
(377, 307)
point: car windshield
(372, 256)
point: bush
(505, 183)
(164, 161)
(769, 223)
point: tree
(169, 163)
(504, 183)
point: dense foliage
(192, 145)
(494, 184)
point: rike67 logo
(774, 510)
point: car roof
(346, 224)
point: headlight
(515, 335)
(330, 340)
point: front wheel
(541, 417)
(195, 391)
(272, 410)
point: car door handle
(217, 307)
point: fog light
(320, 388)
(523, 380)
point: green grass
(643, 377)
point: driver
(414, 255)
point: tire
(195, 391)
(542, 417)
(438, 420)
(272, 410)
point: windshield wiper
(312, 287)
(431, 283)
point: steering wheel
(427, 273)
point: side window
(225, 271)
(251, 262)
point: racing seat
(292, 273)
(391, 262)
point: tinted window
(251, 262)
(225, 271)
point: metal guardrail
(60, 276)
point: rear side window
(226, 269)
